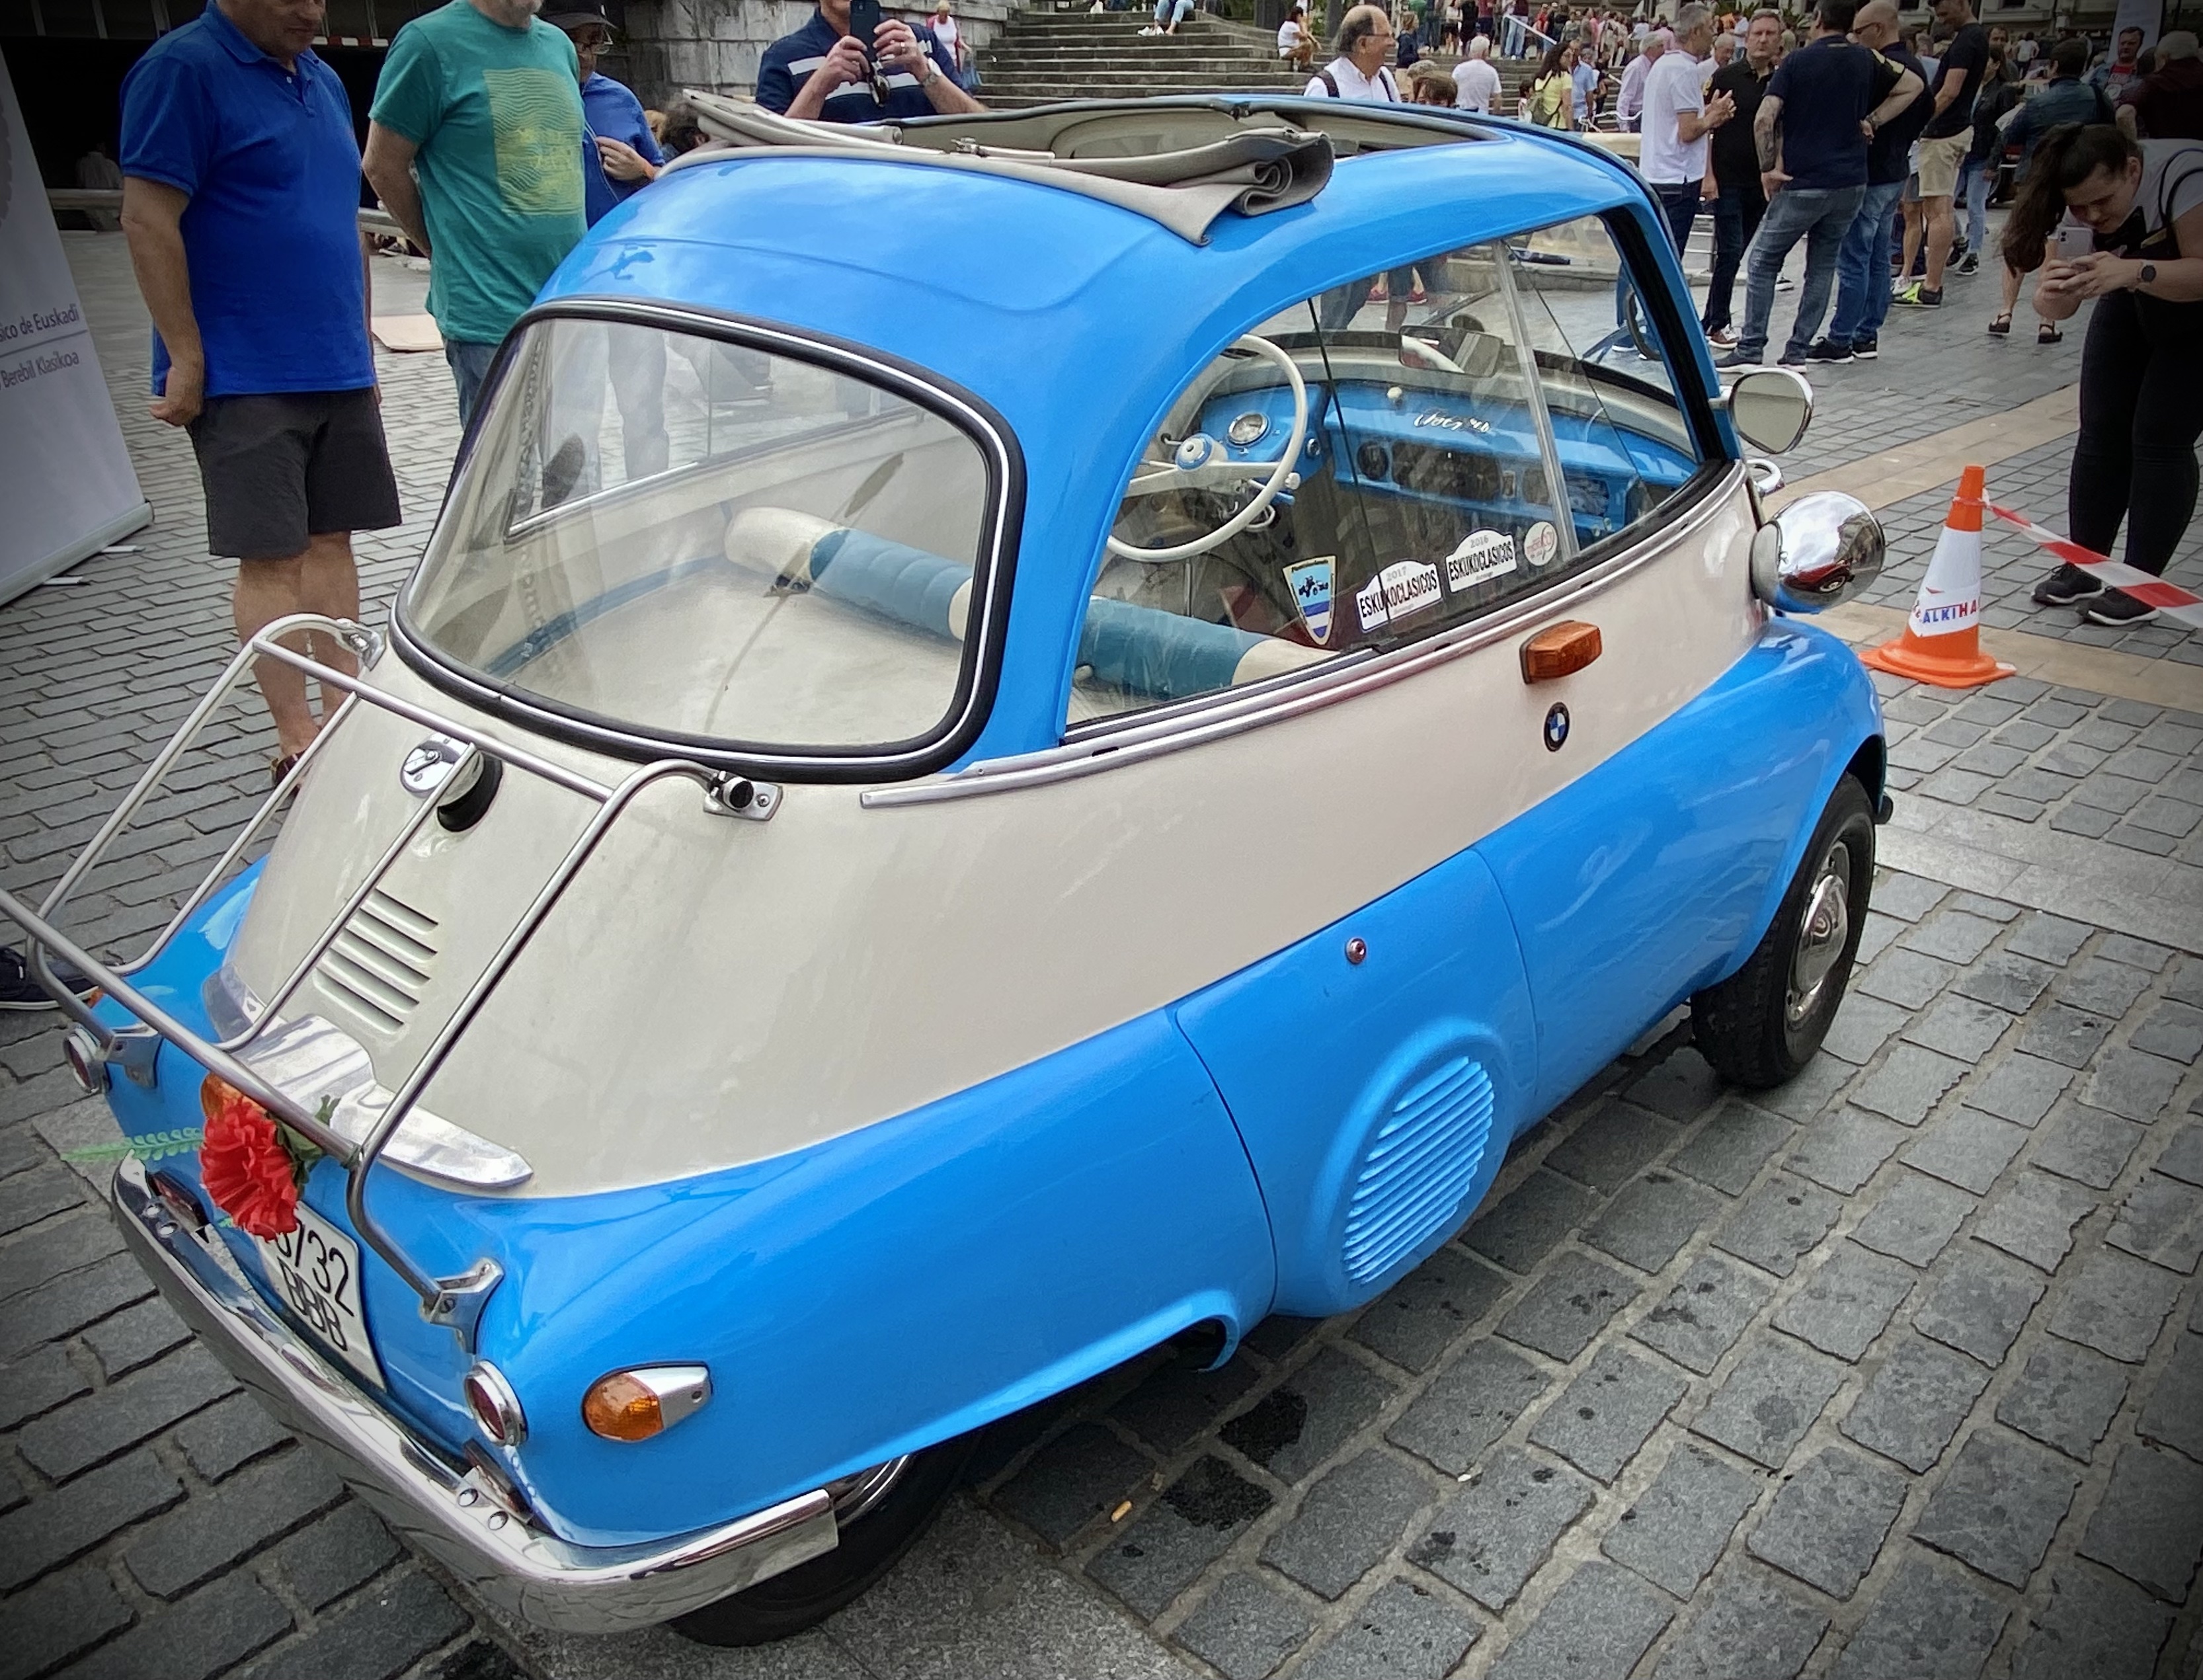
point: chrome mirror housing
(1770, 408)
(1819, 550)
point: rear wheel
(880, 1514)
(1762, 1025)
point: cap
(573, 13)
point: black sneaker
(18, 990)
(1970, 264)
(2118, 609)
(1827, 350)
(2066, 585)
(1738, 359)
(1865, 347)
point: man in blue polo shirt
(822, 71)
(240, 194)
(619, 154)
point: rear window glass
(682, 537)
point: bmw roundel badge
(1557, 728)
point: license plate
(316, 1269)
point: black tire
(1760, 1026)
(869, 1545)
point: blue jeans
(1818, 216)
(1975, 179)
(1679, 209)
(1863, 268)
(470, 364)
(1736, 219)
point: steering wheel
(1158, 477)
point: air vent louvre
(1417, 1167)
(380, 962)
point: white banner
(2146, 16)
(66, 480)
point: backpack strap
(1330, 83)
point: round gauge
(1250, 428)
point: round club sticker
(1540, 544)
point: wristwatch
(932, 72)
(2148, 276)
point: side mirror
(1770, 408)
(1819, 550)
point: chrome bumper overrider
(463, 1519)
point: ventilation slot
(380, 959)
(1417, 1168)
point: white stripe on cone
(1950, 598)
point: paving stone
(1177, 1401)
(2087, 1146)
(1784, 1218)
(2174, 1416)
(2115, 1305)
(1245, 1629)
(1959, 1027)
(1347, 1521)
(1769, 1400)
(1862, 1025)
(1876, 937)
(1279, 1334)
(45, 1191)
(1845, 1150)
(38, 1382)
(69, 1302)
(206, 1634)
(1676, 1532)
(1730, 1149)
(136, 1337)
(2148, 1525)
(61, 1616)
(1930, 1624)
(1493, 1536)
(2098, 987)
(1569, 1306)
(1704, 1313)
(1828, 1521)
(1966, 1148)
(1613, 1143)
(2020, 1088)
(225, 1436)
(213, 1529)
(324, 1561)
(1914, 1220)
(1524, 1226)
(2034, 1219)
(1682, 1087)
(2183, 1157)
(1414, 1321)
(36, 1537)
(2173, 1031)
(2065, 1397)
(1083, 1473)
(1309, 1416)
(1906, 978)
(1749, 1629)
(2161, 1221)
(2096, 1627)
(1155, 1557)
(1952, 935)
(1914, 1403)
(2066, 1034)
(1648, 1223)
(1980, 1304)
(1907, 1085)
(124, 1413)
(1908, 897)
(1602, 1419)
(1598, 1624)
(1405, 1632)
(380, 1634)
(39, 1257)
(1468, 1405)
(2008, 982)
(1847, 1303)
(2000, 1506)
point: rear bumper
(460, 1518)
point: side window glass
(1624, 442)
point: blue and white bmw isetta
(1019, 735)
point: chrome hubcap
(854, 1495)
(1823, 934)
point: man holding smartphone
(850, 64)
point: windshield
(682, 536)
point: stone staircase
(1043, 55)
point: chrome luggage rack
(455, 1302)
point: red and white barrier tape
(2171, 601)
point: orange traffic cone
(1942, 641)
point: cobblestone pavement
(1895, 1372)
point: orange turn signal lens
(648, 1400)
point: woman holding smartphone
(2119, 221)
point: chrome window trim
(1228, 713)
(985, 630)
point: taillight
(648, 1400)
(495, 1406)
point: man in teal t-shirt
(473, 145)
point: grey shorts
(283, 467)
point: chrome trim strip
(1090, 753)
(454, 1515)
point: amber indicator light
(620, 1408)
(1559, 649)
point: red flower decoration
(244, 1165)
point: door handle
(1559, 649)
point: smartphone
(2074, 242)
(865, 19)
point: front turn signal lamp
(645, 1401)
